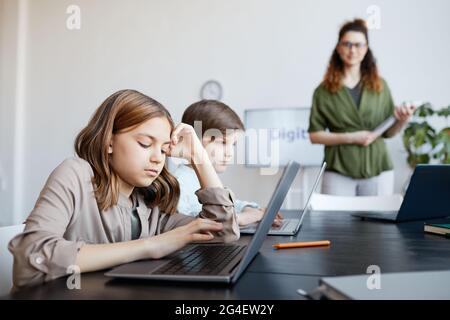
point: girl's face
(352, 48)
(138, 156)
(221, 150)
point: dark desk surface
(355, 245)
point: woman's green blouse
(338, 113)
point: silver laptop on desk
(289, 227)
(428, 285)
(211, 262)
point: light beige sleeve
(217, 205)
(41, 253)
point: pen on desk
(302, 244)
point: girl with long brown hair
(348, 105)
(116, 201)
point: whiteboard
(275, 136)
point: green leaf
(424, 110)
(420, 134)
(415, 159)
(443, 141)
(444, 112)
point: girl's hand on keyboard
(197, 230)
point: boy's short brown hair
(213, 114)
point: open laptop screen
(288, 176)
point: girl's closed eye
(145, 146)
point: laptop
(426, 197)
(205, 262)
(428, 285)
(289, 227)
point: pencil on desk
(302, 244)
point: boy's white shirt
(189, 184)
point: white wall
(8, 67)
(266, 53)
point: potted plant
(423, 142)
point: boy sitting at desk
(220, 127)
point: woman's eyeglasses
(348, 45)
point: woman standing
(351, 102)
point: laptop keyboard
(201, 259)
